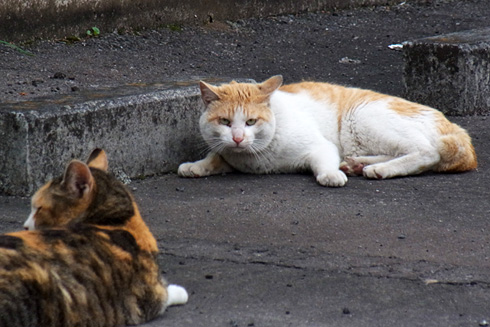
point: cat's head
(238, 117)
(85, 193)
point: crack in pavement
(361, 266)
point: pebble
(59, 75)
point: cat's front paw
(332, 179)
(192, 169)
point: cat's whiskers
(212, 145)
(260, 151)
(217, 146)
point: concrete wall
(450, 72)
(22, 20)
(145, 129)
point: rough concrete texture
(139, 123)
(28, 19)
(450, 72)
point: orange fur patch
(140, 231)
(31, 239)
(56, 213)
(457, 151)
(244, 96)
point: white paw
(374, 172)
(176, 295)
(192, 169)
(332, 179)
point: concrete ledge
(23, 20)
(450, 72)
(146, 129)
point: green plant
(94, 31)
(13, 46)
(174, 27)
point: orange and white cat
(330, 130)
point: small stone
(59, 75)
(346, 311)
(36, 82)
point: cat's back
(72, 276)
(316, 106)
(336, 97)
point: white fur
(402, 145)
(176, 295)
(304, 135)
(30, 223)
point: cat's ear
(98, 159)
(271, 84)
(78, 180)
(207, 93)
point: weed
(93, 32)
(13, 46)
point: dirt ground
(348, 47)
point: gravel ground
(348, 47)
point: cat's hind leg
(212, 164)
(353, 166)
(410, 164)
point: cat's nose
(237, 139)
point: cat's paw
(332, 178)
(375, 172)
(192, 169)
(351, 167)
(176, 295)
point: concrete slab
(450, 72)
(147, 129)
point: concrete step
(146, 130)
(450, 72)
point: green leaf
(13, 46)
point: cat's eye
(251, 122)
(37, 210)
(224, 121)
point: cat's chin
(238, 149)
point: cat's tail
(455, 148)
(176, 295)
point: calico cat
(87, 258)
(327, 129)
